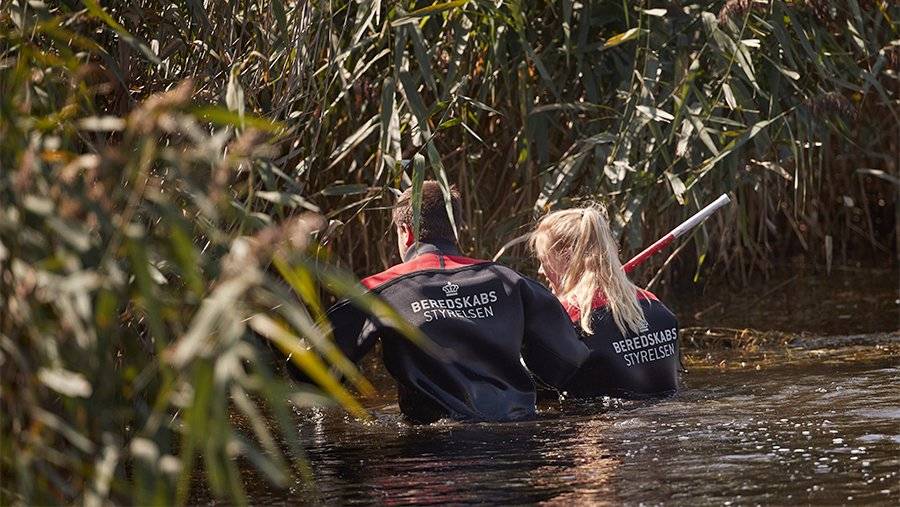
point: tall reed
(157, 161)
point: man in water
(487, 316)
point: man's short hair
(434, 224)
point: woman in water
(633, 337)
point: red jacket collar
(600, 302)
(424, 256)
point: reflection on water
(815, 426)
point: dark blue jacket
(490, 318)
(630, 365)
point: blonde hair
(580, 241)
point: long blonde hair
(579, 240)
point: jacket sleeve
(551, 348)
(354, 332)
(354, 335)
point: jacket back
(628, 365)
(486, 316)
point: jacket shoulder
(427, 263)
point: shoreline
(796, 300)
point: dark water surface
(815, 426)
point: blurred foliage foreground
(139, 292)
(168, 171)
(129, 293)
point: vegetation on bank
(170, 172)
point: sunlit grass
(157, 161)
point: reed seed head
(738, 9)
(832, 104)
(821, 9)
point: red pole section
(677, 232)
(648, 252)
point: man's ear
(406, 235)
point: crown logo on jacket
(450, 289)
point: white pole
(701, 215)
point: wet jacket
(487, 315)
(630, 365)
